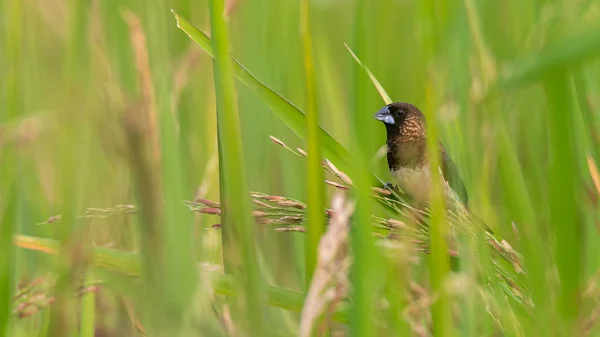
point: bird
(408, 157)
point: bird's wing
(452, 176)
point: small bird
(407, 155)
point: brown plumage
(407, 156)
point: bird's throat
(406, 153)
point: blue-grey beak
(384, 115)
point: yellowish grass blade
(386, 98)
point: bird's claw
(389, 187)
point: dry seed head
(289, 203)
(291, 229)
(336, 185)
(506, 246)
(515, 230)
(330, 280)
(54, 218)
(345, 178)
(264, 221)
(259, 214)
(207, 202)
(125, 206)
(333, 169)
(87, 290)
(381, 191)
(147, 116)
(210, 210)
(594, 172)
(260, 203)
(302, 152)
(277, 141)
(496, 245)
(395, 223)
(291, 219)
(518, 268)
(26, 310)
(275, 198)
(329, 165)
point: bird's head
(403, 120)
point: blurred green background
(107, 103)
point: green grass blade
(72, 159)
(363, 312)
(9, 217)
(315, 225)
(439, 267)
(386, 98)
(88, 314)
(178, 245)
(10, 175)
(565, 217)
(165, 232)
(439, 263)
(238, 227)
(293, 117)
(568, 53)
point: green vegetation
(172, 172)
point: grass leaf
(293, 117)
(239, 249)
(128, 264)
(315, 225)
(386, 98)
(566, 54)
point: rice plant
(213, 168)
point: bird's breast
(413, 181)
